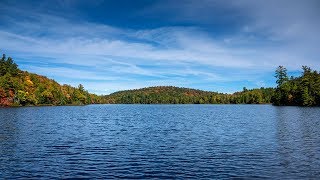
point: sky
(123, 44)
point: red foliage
(6, 101)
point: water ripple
(160, 142)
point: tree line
(294, 91)
(297, 91)
(21, 88)
(177, 95)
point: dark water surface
(160, 141)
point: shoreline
(48, 105)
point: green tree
(281, 75)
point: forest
(177, 95)
(297, 91)
(21, 88)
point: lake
(160, 141)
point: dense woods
(176, 95)
(23, 88)
(297, 91)
(20, 88)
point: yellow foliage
(28, 81)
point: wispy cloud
(131, 58)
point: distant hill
(20, 88)
(178, 95)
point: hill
(177, 95)
(20, 88)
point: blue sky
(115, 45)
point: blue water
(160, 141)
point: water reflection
(298, 141)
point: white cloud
(286, 36)
(71, 73)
